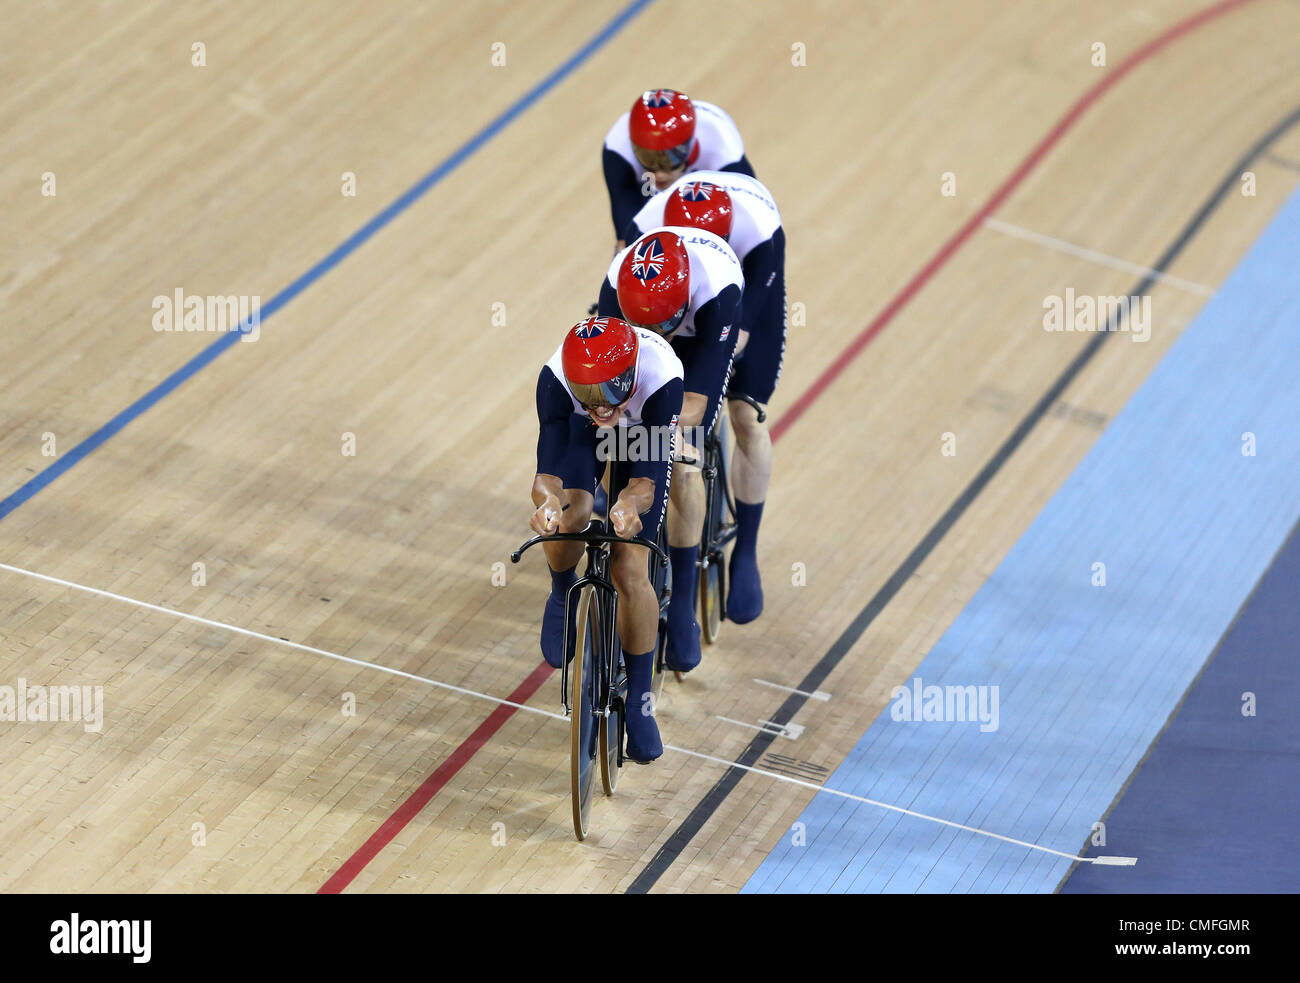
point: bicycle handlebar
(597, 535)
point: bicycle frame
(597, 576)
(597, 543)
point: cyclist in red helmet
(685, 285)
(608, 375)
(699, 204)
(663, 136)
(741, 210)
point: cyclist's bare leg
(638, 607)
(751, 463)
(638, 628)
(685, 506)
(685, 525)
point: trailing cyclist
(685, 285)
(741, 210)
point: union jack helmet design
(698, 190)
(599, 361)
(654, 282)
(662, 119)
(701, 205)
(647, 259)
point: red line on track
(484, 732)
(418, 799)
(946, 251)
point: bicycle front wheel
(582, 698)
(611, 731)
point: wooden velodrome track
(225, 179)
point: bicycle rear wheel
(712, 580)
(582, 699)
(713, 591)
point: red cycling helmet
(599, 361)
(702, 205)
(654, 282)
(662, 127)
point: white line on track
(1101, 259)
(280, 641)
(775, 776)
(814, 695)
(1104, 861)
(791, 731)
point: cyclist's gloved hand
(546, 520)
(625, 520)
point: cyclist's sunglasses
(615, 392)
(672, 159)
(668, 326)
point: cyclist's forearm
(639, 494)
(693, 407)
(546, 485)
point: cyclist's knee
(744, 420)
(628, 569)
(687, 482)
(684, 473)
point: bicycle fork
(605, 662)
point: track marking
(505, 707)
(396, 207)
(274, 640)
(788, 731)
(798, 767)
(815, 695)
(1101, 259)
(1108, 861)
(955, 242)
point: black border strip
(748, 758)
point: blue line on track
(340, 253)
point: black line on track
(758, 745)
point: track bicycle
(719, 526)
(593, 680)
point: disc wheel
(582, 719)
